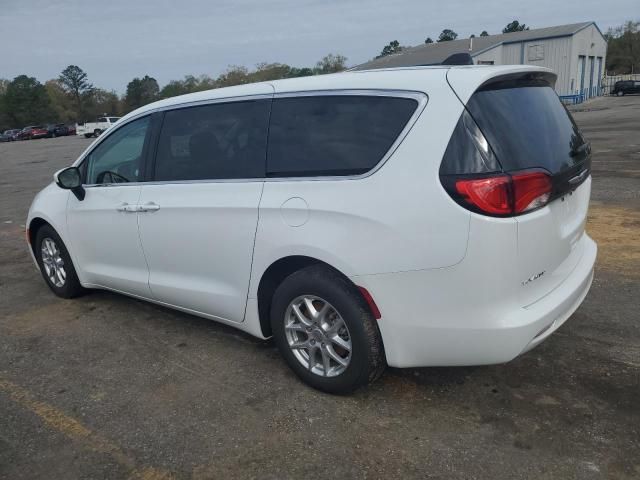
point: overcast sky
(116, 40)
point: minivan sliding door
(199, 213)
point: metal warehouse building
(575, 52)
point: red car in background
(36, 131)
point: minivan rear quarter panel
(382, 221)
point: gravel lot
(109, 387)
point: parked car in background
(58, 130)
(94, 129)
(32, 132)
(71, 129)
(260, 206)
(9, 135)
(624, 87)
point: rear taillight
(504, 195)
(530, 191)
(490, 195)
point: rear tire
(336, 351)
(55, 264)
(97, 132)
(88, 135)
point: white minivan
(422, 216)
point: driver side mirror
(70, 179)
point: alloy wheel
(318, 336)
(53, 263)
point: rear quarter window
(328, 135)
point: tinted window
(527, 126)
(333, 135)
(225, 140)
(118, 158)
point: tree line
(623, 48)
(72, 97)
(448, 35)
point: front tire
(97, 132)
(55, 264)
(325, 331)
(620, 93)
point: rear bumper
(433, 318)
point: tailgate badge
(532, 278)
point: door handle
(149, 207)
(125, 207)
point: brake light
(531, 190)
(490, 195)
(505, 194)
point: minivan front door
(199, 213)
(103, 227)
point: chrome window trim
(421, 97)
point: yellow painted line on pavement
(59, 421)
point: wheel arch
(273, 277)
(35, 224)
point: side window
(218, 141)
(118, 158)
(101, 120)
(333, 135)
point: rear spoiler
(465, 82)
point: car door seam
(144, 254)
(253, 252)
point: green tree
(484, 33)
(514, 26)
(61, 102)
(393, 47)
(447, 35)
(428, 40)
(234, 75)
(623, 48)
(26, 102)
(269, 71)
(5, 122)
(75, 82)
(104, 102)
(300, 72)
(189, 84)
(331, 63)
(141, 91)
